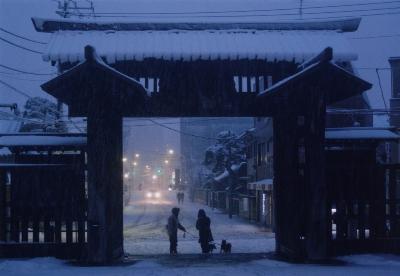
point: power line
(26, 72)
(380, 86)
(19, 46)
(181, 132)
(248, 11)
(10, 76)
(22, 37)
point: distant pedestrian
(179, 197)
(172, 227)
(182, 197)
(203, 224)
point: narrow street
(145, 233)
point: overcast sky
(15, 16)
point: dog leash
(193, 236)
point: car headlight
(157, 195)
(149, 194)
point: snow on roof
(298, 46)
(4, 151)
(9, 126)
(33, 140)
(263, 184)
(360, 134)
(225, 174)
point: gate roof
(281, 41)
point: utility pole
(231, 179)
(69, 8)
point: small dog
(226, 247)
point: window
(246, 84)
(151, 84)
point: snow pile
(198, 45)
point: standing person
(172, 227)
(182, 197)
(203, 224)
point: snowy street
(145, 234)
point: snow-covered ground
(357, 265)
(145, 234)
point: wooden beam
(105, 202)
(316, 230)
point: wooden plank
(257, 84)
(24, 226)
(47, 229)
(3, 177)
(392, 203)
(82, 199)
(57, 229)
(248, 79)
(68, 230)
(35, 226)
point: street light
(137, 155)
(171, 151)
(126, 175)
(134, 163)
(124, 159)
(166, 162)
(154, 177)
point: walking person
(182, 197)
(172, 227)
(203, 224)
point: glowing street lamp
(137, 155)
(124, 159)
(126, 175)
(171, 151)
(134, 163)
(154, 177)
(166, 162)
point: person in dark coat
(172, 227)
(205, 236)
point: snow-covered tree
(42, 115)
(229, 150)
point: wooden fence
(42, 210)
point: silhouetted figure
(205, 236)
(178, 196)
(182, 197)
(172, 227)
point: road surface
(145, 232)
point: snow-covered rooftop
(360, 133)
(263, 184)
(298, 46)
(37, 140)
